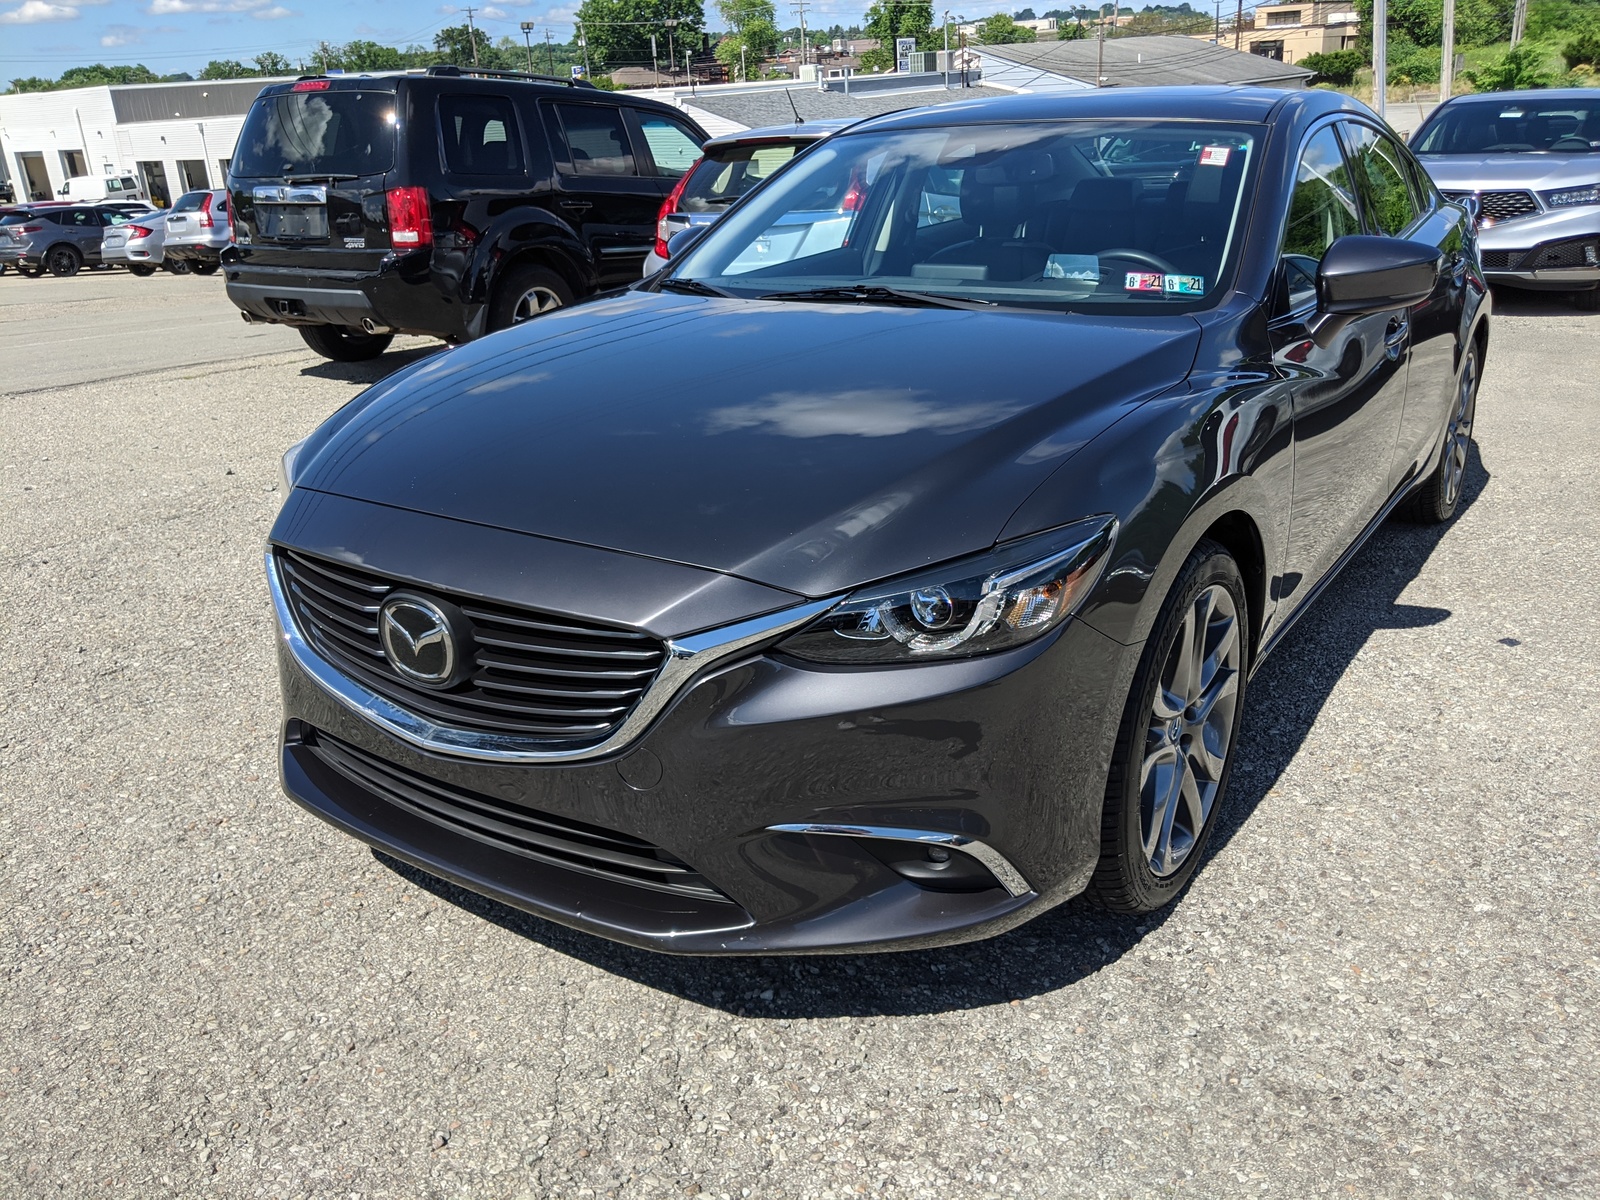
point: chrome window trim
(686, 658)
(999, 866)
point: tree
(369, 56)
(99, 73)
(272, 63)
(1025, 15)
(32, 83)
(1520, 67)
(753, 33)
(1478, 22)
(888, 20)
(226, 68)
(1070, 31)
(1337, 67)
(1001, 30)
(455, 44)
(618, 31)
(1584, 50)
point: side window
(1381, 177)
(81, 218)
(672, 146)
(1321, 210)
(480, 135)
(597, 141)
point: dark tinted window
(1321, 210)
(77, 218)
(1512, 127)
(597, 142)
(480, 135)
(189, 202)
(1381, 178)
(730, 172)
(317, 133)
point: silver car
(137, 243)
(1532, 161)
(197, 230)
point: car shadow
(1518, 302)
(1076, 939)
(372, 370)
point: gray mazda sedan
(883, 581)
(1531, 162)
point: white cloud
(35, 12)
(122, 35)
(167, 8)
(276, 13)
(495, 14)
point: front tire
(1174, 749)
(177, 266)
(63, 261)
(1436, 501)
(526, 292)
(143, 272)
(345, 345)
(1588, 301)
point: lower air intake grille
(536, 674)
(559, 841)
(1501, 260)
(1562, 254)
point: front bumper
(799, 800)
(1556, 251)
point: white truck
(91, 189)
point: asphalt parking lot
(1383, 983)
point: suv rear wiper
(693, 287)
(862, 292)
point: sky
(45, 37)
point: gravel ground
(1382, 984)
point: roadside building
(1288, 32)
(175, 137)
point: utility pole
(584, 43)
(1380, 54)
(672, 63)
(1100, 51)
(1216, 35)
(527, 40)
(472, 35)
(1447, 59)
(1519, 21)
(946, 48)
(549, 53)
(800, 8)
(655, 62)
(1238, 23)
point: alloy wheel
(1190, 730)
(534, 302)
(1458, 439)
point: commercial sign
(904, 48)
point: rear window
(189, 202)
(317, 134)
(730, 172)
(17, 218)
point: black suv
(449, 203)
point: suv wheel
(63, 261)
(526, 292)
(176, 265)
(345, 345)
(142, 271)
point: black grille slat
(1507, 206)
(545, 837)
(538, 674)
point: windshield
(317, 135)
(730, 172)
(1082, 215)
(1513, 128)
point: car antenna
(798, 119)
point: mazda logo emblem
(424, 640)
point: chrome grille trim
(686, 657)
(998, 864)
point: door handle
(1394, 338)
(577, 205)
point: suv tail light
(26, 228)
(205, 212)
(670, 206)
(227, 209)
(410, 223)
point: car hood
(812, 447)
(1487, 172)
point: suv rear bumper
(401, 296)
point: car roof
(1234, 104)
(801, 131)
(1540, 96)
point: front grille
(1581, 253)
(535, 674)
(1506, 206)
(559, 841)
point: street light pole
(1380, 54)
(672, 63)
(527, 40)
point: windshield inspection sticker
(1085, 268)
(1214, 156)
(1142, 281)
(1183, 285)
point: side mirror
(1361, 275)
(683, 239)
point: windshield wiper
(869, 293)
(693, 287)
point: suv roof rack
(492, 73)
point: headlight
(287, 464)
(1011, 595)
(1571, 197)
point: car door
(84, 230)
(1396, 206)
(601, 188)
(1347, 390)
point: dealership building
(175, 137)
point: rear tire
(345, 345)
(29, 272)
(143, 272)
(63, 261)
(176, 265)
(1587, 301)
(526, 292)
(205, 268)
(1436, 501)
(1174, 749)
